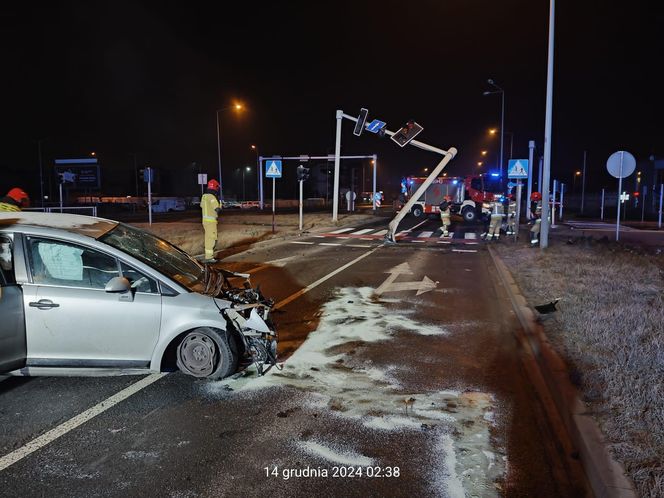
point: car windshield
(157, 253)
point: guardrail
(58, 209)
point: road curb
(605, 475)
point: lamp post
(237, 107)
(502, 117)
(259, 173)
(247, 168)
(576, 173)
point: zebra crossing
(361, 237)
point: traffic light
(409, 131)
(361, 119)
(302, 173)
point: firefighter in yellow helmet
(210, 207)
(15, 200)
(536, 216)
(445, 215)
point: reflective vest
(209, 205)
(512, 208)
(497, 209)
(5, 206)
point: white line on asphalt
(297, 294)
(464, 250)
(470, 235)
(362, 232)
(364, 246)
(342, 230)
(300, 242)
(366, 238)
(420, 241)
(472, 243)
(318, 236)
(382, 232)
(444, 242)
(329, 244)
(74, 422)
(425, 235)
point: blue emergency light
(454, 182)
(495, 174)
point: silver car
(89, 296)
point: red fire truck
(471, 195)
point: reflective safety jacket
(209, 205)
(7, 206)
(497, 209)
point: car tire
(205, 352)
(417, 211)
(469, 214)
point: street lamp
(576, 173)
(502, 117)
(259, 173)
(238, 107)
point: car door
(12, 322)
(71, 321)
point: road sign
(202, 178)
(407, 133)
(375, 126)
(624, 197)
(517, 168)
(621, 164)
(361, 119)
(273, 169)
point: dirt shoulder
(609, 328)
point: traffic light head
(302, 173)
(361, 120)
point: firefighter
(210, 208)
(496, 220)
(511, 215)
(15, 200)
(445, 215)
(536, 217)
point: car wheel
(204, 352)
(469, 215)
(417, 211)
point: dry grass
(236, 229)
(610, 329)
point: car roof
(89, 226)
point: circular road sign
(621, 164)
(349, 194)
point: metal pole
(41, 175)
(243, 196)
(149, 195)
(502, 132)
(375, 166)
(337, 153)
(544, 239)
(562, 195)
(136, 174)
(643, 203)
(511, 144)
(273, 200)
(531, 168)
(583, 182)
(601, 209)
(619, 193)
(61, 196)
(661, 196)
(553, 204)
(259, 172)
(518, 208)
(221, 188)
(301, 194)
(539, 178)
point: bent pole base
(448, 155)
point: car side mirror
(118, 285)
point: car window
(54, 262)
(6, 260)
(139, 281)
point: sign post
(620, 165)
(562, 195)
(519, 169)
(273, 170)
(661, 195)
(147, 175)
(601, 210)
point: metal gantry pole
(337, 153)
(544, 238)
(661, 197)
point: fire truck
(471, 195)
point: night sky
(123, 78)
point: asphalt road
(403, 378)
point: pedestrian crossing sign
(517, 168)
(273, 168)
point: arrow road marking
(389, 285)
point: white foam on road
(336, 455)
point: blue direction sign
(273, 168)
(517, 168)
(375, 126)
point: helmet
(536, 196)
(448, 198)
(213, 184)
(19, 196)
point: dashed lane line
(301, 242)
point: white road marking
(300, 242)
(299, 293)
(472, 243)
(318, 236)
(382, 232)
(470, 235)
(424, 235)
(420, 241)
(366, 238)
(364, 246)
(329, 244)
(362, 232)
(444, 242)
(464, 250)
(74, 422)
(342, 230)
